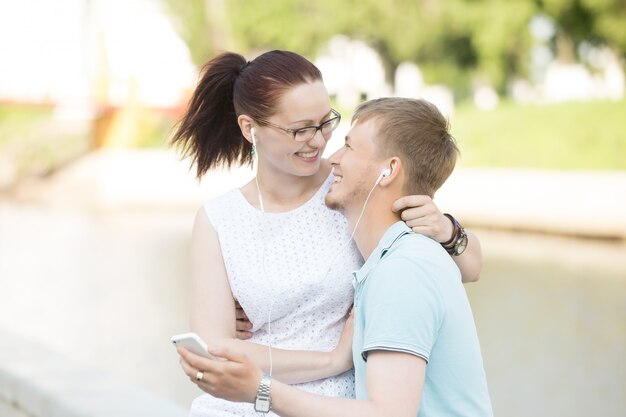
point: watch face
(461, 244)
(262, 405)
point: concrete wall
(35, 382)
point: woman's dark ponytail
(209, 132)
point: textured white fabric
(310, 296)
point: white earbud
(385, 173)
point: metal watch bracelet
(262, 404)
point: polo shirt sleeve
(402, 308)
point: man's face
(355, 168)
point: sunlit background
(96, 209)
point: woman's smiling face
(304, 105)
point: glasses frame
(294, 132)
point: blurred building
(84, 55)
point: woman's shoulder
(218, 200)
(225, 204)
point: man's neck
(377, 218)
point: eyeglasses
(307, 133)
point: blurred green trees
(454, 41)
(594, 21)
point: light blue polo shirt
(409, 298)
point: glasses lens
(330, 125)
(303, 135)
(307, 133)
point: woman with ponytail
(272, 245)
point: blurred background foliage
(451, 40)
(458, 43)
(462, 44)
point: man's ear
(396, 168)
(246, 124)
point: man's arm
(395, 382)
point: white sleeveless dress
(310, 296)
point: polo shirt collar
(395, 232)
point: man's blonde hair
(415, 131)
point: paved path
(37, 382)
(588, 203)
(578, 203)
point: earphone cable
(341, 249)
(269, 315)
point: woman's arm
(470, 262)
(422, 215)
(395, 383)
(212, 316)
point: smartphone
(193, 343)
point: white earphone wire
(262, 207)
(341, 249)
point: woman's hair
(230, 86)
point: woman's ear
(246, 124)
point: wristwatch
(458, 242)
(461, 243)
(262, 404)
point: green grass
(32, 143)
(16, 119)
(586, 135)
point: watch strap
(262, 404)
(457, 243)
(454, 230)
